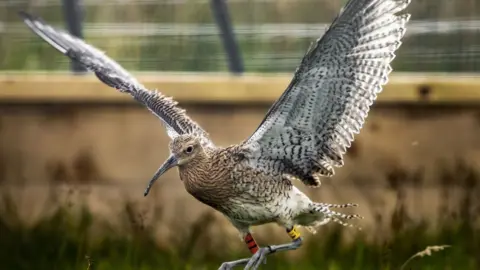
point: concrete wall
(104, 155)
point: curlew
(303, 136)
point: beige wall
(108, 153)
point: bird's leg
(252, 246)
(262, 253)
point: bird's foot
(232, 264)
(226, 266)
(259, 257)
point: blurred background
(76, 155)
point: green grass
(64, 239)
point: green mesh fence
(174, 35)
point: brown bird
(303, 136)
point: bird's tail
(321, 214)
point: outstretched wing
(307, 131)
(111, 73)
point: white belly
(285, 208)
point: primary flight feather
(112, 74)
(306, 132)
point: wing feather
(175, 120)
(307, 131)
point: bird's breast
(208, 189)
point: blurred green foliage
(63, 238)
(22, 50)
(60, 242)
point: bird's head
(183, 149)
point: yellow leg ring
(294, 233)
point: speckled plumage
(303, 136)
(223, 179)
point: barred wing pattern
(307, 131)
(111, 73)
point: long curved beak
(168, 164)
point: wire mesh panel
(181, 35)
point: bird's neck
(195, 169)
(202, 181)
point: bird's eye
(189, 150)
